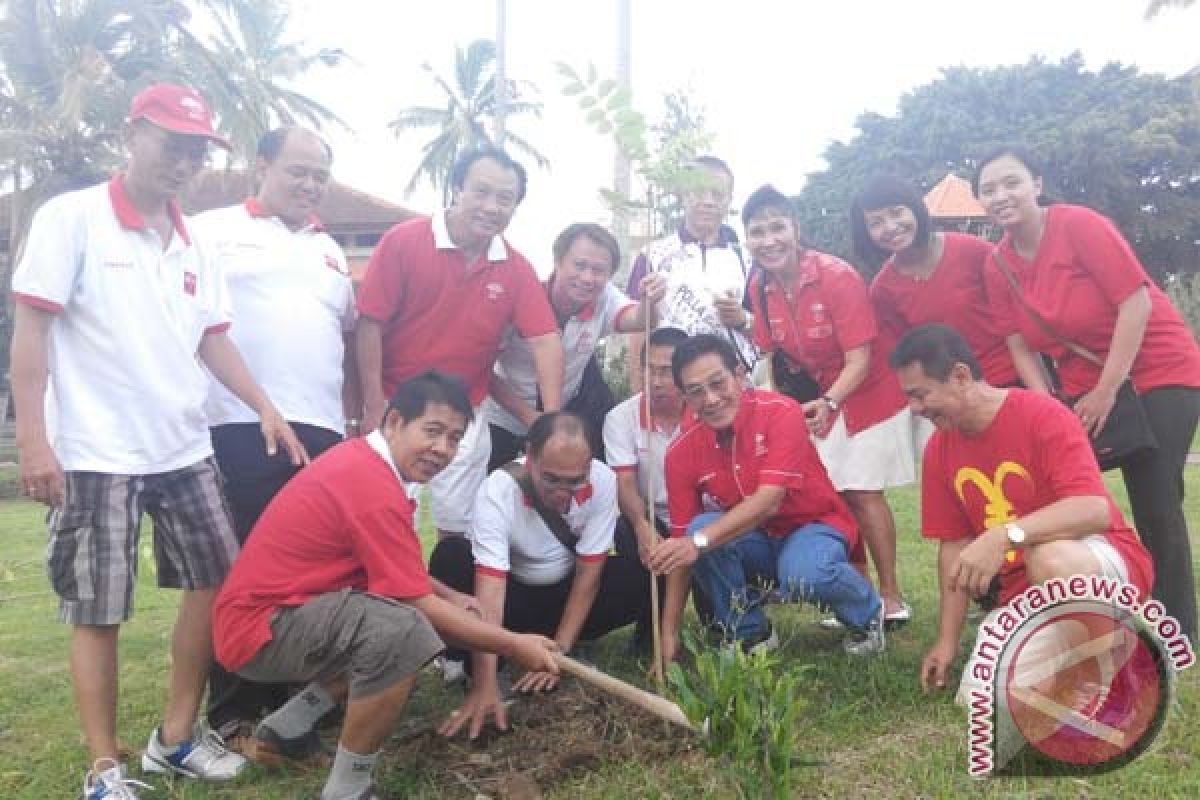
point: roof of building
(952, 198)
(343, 210)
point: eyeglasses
(695, 393)
(569, 483)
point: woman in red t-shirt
(814, 309)
(928, 276)
(1072, 268)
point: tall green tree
(1122, 142)
(466, 118)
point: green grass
(869, 732)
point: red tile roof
(344, 210)
(952, 198)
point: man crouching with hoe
(331, 588)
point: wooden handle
(656, 705)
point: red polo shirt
(954, 294)
(827, 314)
(438, 312)
(1082, 271)
(344, 522)
(769, 446)
(1032, 454)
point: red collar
(809, 272)
(744, 418)
(129, 216)
(256, 209)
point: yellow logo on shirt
(998, 509)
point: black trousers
(252, 479)
(624, 595)
(1154, 480)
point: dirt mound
(553, 737)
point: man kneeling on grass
(331, 588)
(752, 505)
(1010, 489)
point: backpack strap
(554, 521)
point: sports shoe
(106, 781)
(894, 620)
(267, 747)
(204, 756)
(869, 640)
(453, 671)
(830, 623)
(765, 642)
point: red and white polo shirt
(127, 391)
(294, 302)
(630, 445)
(508, 536)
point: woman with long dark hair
(814, 308)
(1065, 277)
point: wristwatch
(834, 406)
(1016, 535)
(700, 540)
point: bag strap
(554, 521)
(1042, 322)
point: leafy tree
(468, 116)
(1122, 142)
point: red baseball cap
(179, 109)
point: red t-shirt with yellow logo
(1033, 453)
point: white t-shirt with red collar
(294, 302)
(127, 390)
(508, 536)
(580, 336)
(631, 446)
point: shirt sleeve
(789, 450)
(683, 503)
(532, 315)
(220, 310)
(848, 306)
(620, 438)
(616, 305)
(386, 544)
(490, 523)
(1066, 455)
(1104, 253)
(46, 274)
(597, 537)
(636, 273)
(382, 288)
(942, 514)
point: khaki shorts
(372, 641)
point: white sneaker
(106, 781)
(868, 641)
(830, 623)
(204, 756)
(453, 671)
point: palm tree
(468, 115)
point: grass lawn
(869, 732)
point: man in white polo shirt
(116, 311)
(587, 307)
(293, 301)
(536, 558)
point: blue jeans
(808, 564)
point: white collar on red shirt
(441, 240)
(256, 209)
(379, 445)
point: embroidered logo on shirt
(193, 107)
(586, 344)
(189, 283)
(494, 291)
(818, 312)
(760, 444)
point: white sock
(301, 714)
(350, 775)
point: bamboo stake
(655, 631)
(659, 706)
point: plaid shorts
(92, 557)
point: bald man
(537, 558)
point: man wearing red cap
(116, 309)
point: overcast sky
(779, 79)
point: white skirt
(879, 457)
